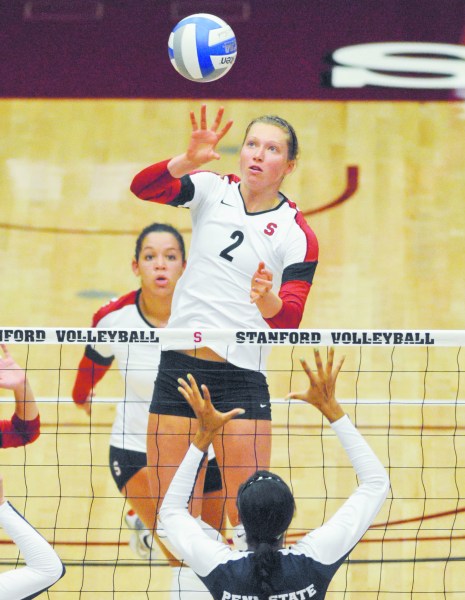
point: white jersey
(227, 245)
(43, 566)
(138, 364)
(307, 567)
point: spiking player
(251, 265)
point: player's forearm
(203, 439)
(293, 295)
(332, 411)
(88, 375)
(269, 305)
(25, 404)
(181, 165)
(43, 566)
(156, 184)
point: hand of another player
(322, 389)
(12, 376)
(262, 283)
(209, 420)
(204, 139)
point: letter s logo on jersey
(270, 228)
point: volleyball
(202, 47)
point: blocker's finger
(338, 366)
(186, 390)
(193, 384)
(296, 396)
(306, 367)
(235, 412)
(206, 393)
(329, 363)
(185, 394)
(318, 362)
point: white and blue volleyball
(202, 47)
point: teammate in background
(24, 427)
(251, 266)
(43, 566)
(266, 507)
(159, 261)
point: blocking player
(267, 570)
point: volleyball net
(403, 389)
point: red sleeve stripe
(156, 184)
(89, 374)
(17, 432)
(114, 305)
(294, 295)
(312, 242)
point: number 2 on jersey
(235, 235)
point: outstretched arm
(333, 541)
(161, 182)
(185, 533)
(91, 370)
(43, 566)
(24, 426)
(209, 420)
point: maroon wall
(282, 49)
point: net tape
(288, 337)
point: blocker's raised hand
(210, 420)
(322, 389)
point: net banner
(287, 337)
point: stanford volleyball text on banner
(299, 337)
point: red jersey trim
(156, 183)
(113, 305)
(294, 295)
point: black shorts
(124, 464)
(229, 386)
